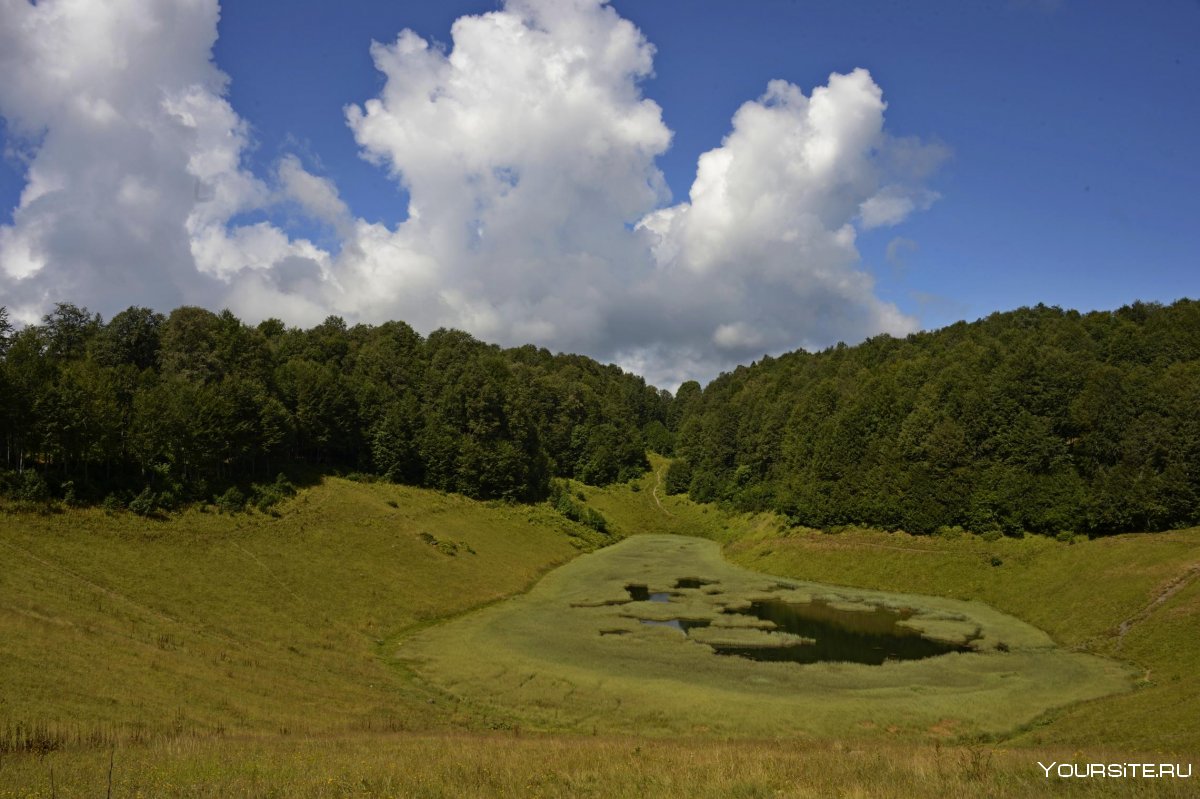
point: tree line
(169, 409)
(1038, 420)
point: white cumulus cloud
(528, 153)
(134, 159)
(762, 256)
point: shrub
(145, 503)
(266, 497)
(560, 497)
(595, 520)
(677, 478)
(31, 487)
(232, 501)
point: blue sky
(1060, 138)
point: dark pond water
(870, 636)
(692, 582)
(641, 593)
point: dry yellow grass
(412, 766)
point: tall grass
(453, 766)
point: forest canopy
(1034, 420)
(1038, 419)
(183, 407)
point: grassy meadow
(118, 627)
(573, 654)
(259, 655)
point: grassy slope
(263, 626)
(248, 623)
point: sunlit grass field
(575, 654)
(117, 626)
(253, 655)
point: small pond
(855, 636)
(831, 634)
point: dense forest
(1038, 420)
(152, 411)
(1035, 420)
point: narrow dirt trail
(97, 587)
(1168, 590)
(654, 492)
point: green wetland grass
(576, 654)
(250, 655)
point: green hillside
(117, 627)
(216, 655)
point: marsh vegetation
(576, 653)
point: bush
(232, 501)
(31, 487)
(677, 478)
(595, 520)
(266, 497)
(112, 503)
(145, 503)
(567, 507)
(561, 499)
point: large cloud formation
(527, 151)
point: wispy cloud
(898, 250)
